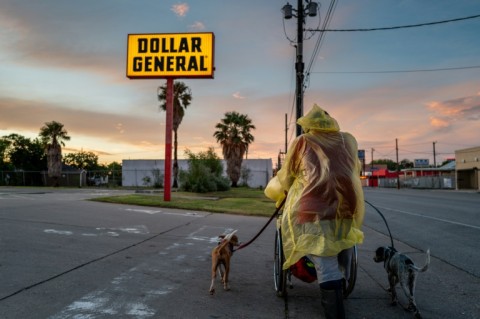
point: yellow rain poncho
(324, 209)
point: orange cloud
(120, 128)
(462, 108)
(444, 109)
(438, 122)
(180, 9)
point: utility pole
(299, 65)
(434, 155)
(286, 132)
(311, 11)
(398, 166)
(371, 164)
(280, 153)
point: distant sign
(176, 55)
(421, 163)
(361, 154)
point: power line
(457, 144)
(320, 39)
(400, 71)
(395, 27)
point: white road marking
(146, 211)
(194, 235)
(135, 230)
(138, 229)
(158, 211)
(184, 214)
(105, 303)
(13, 196)
(58, 232)
(430, 217)
(102, 231)
(136, 292)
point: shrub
(245, 175)
(204, 173)
(157, 178)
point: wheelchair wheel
(349, 283)
(279, 275)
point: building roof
(449, 166)
(470, 149)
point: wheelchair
(282, 278)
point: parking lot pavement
(442, 292)
(96, 260)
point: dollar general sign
(177, 55)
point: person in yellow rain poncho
(324, 208)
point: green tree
(53, 135)
(182, 96)
(4, 161)
(204, 173)
(115, 173)
(406, 163)
(392, 166)
(22, 153)
(233, 134)
(83, 160)
(114, 166)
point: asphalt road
(62, 256)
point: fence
(433, 182)
(155, 177)
(145, 173)
(21, 178)
(68, 178)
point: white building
(146, 173)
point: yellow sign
(177, 55)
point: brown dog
(221, 256)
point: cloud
(180, 9)
(446, 113)
(438, 122)
(112, 128)
(462, 108)
(197, 26)
(67, 150)
(120, 128)
(237, 95)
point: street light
(310, 9)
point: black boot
(332, 299)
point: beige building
(467, 168)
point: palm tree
(233, 134)
(182, 96)
(53, 135)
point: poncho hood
(319, 120)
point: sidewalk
(443, 291)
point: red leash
(243, 245)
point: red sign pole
(167, 187)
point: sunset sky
(66, 61)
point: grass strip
(243, 201)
